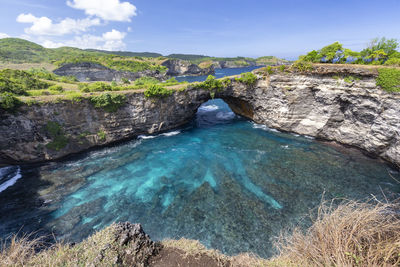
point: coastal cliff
(324, 103)
(87, 71)
(177, 67)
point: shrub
(19, 82)
(56, 88)
(248, 78)
(389, 79)
(102, 135)
(171, 81)
(99, 87)
(125, 81)
(109, 102)
(282, 68)
(59, 140)
(156, 90)
(269, 70)
(145, 81)
(393, 62)
(9, 102)
(303, 66)
(84, 87)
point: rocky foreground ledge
(338, 103)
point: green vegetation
(102, 135)
(14, 50)
(157, 91)
(55, 131)
(108, 102)
(247, 78)
(379, 51)
(9, 102)
(303, 66)
(389, 79)
(19, 82)
(350, 79)
(42, 73)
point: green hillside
(127, 53)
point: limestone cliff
(178, 67)
(87, 71)
(321, 103)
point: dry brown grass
(352, 234)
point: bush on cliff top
(156, 90)
(19, 82)
(9, 102)
(389, 79)
(108, 102)
(248, 78)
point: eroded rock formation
(177, 67)
(87, 71)
(320, 104)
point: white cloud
(105, 9)
(111, 41)
(3, 35)
(45, 26)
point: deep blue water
(230, 183)
(219, 73)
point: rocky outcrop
(323, 105)
(178, 67)
(319, 103)
(233, 64)
(87, 71)
(25, 136)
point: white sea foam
(11, 181)
(171, 133)
(208, 108)
(147, 136)
(225, 115)
(264, 127)
(309, 137)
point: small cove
(225, 181)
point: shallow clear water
(219, 73)
(225, 181)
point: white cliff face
(358, 113)
(317, 104)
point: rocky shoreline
(319, 103)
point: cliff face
(87, 71)
(318, 104)
(178, 67)
(355, 113)
(25, 136)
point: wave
(264, 127)
(208, 108)
(9, 182)
(171, 133)
(168, 134)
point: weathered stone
(178, 67)
(359, 114)
(87, 71)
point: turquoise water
(219, 73)
(225, 181)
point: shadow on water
(223, 180)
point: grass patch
(389, 79)
(102, 135)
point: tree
(332, 52)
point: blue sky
(285, 28)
